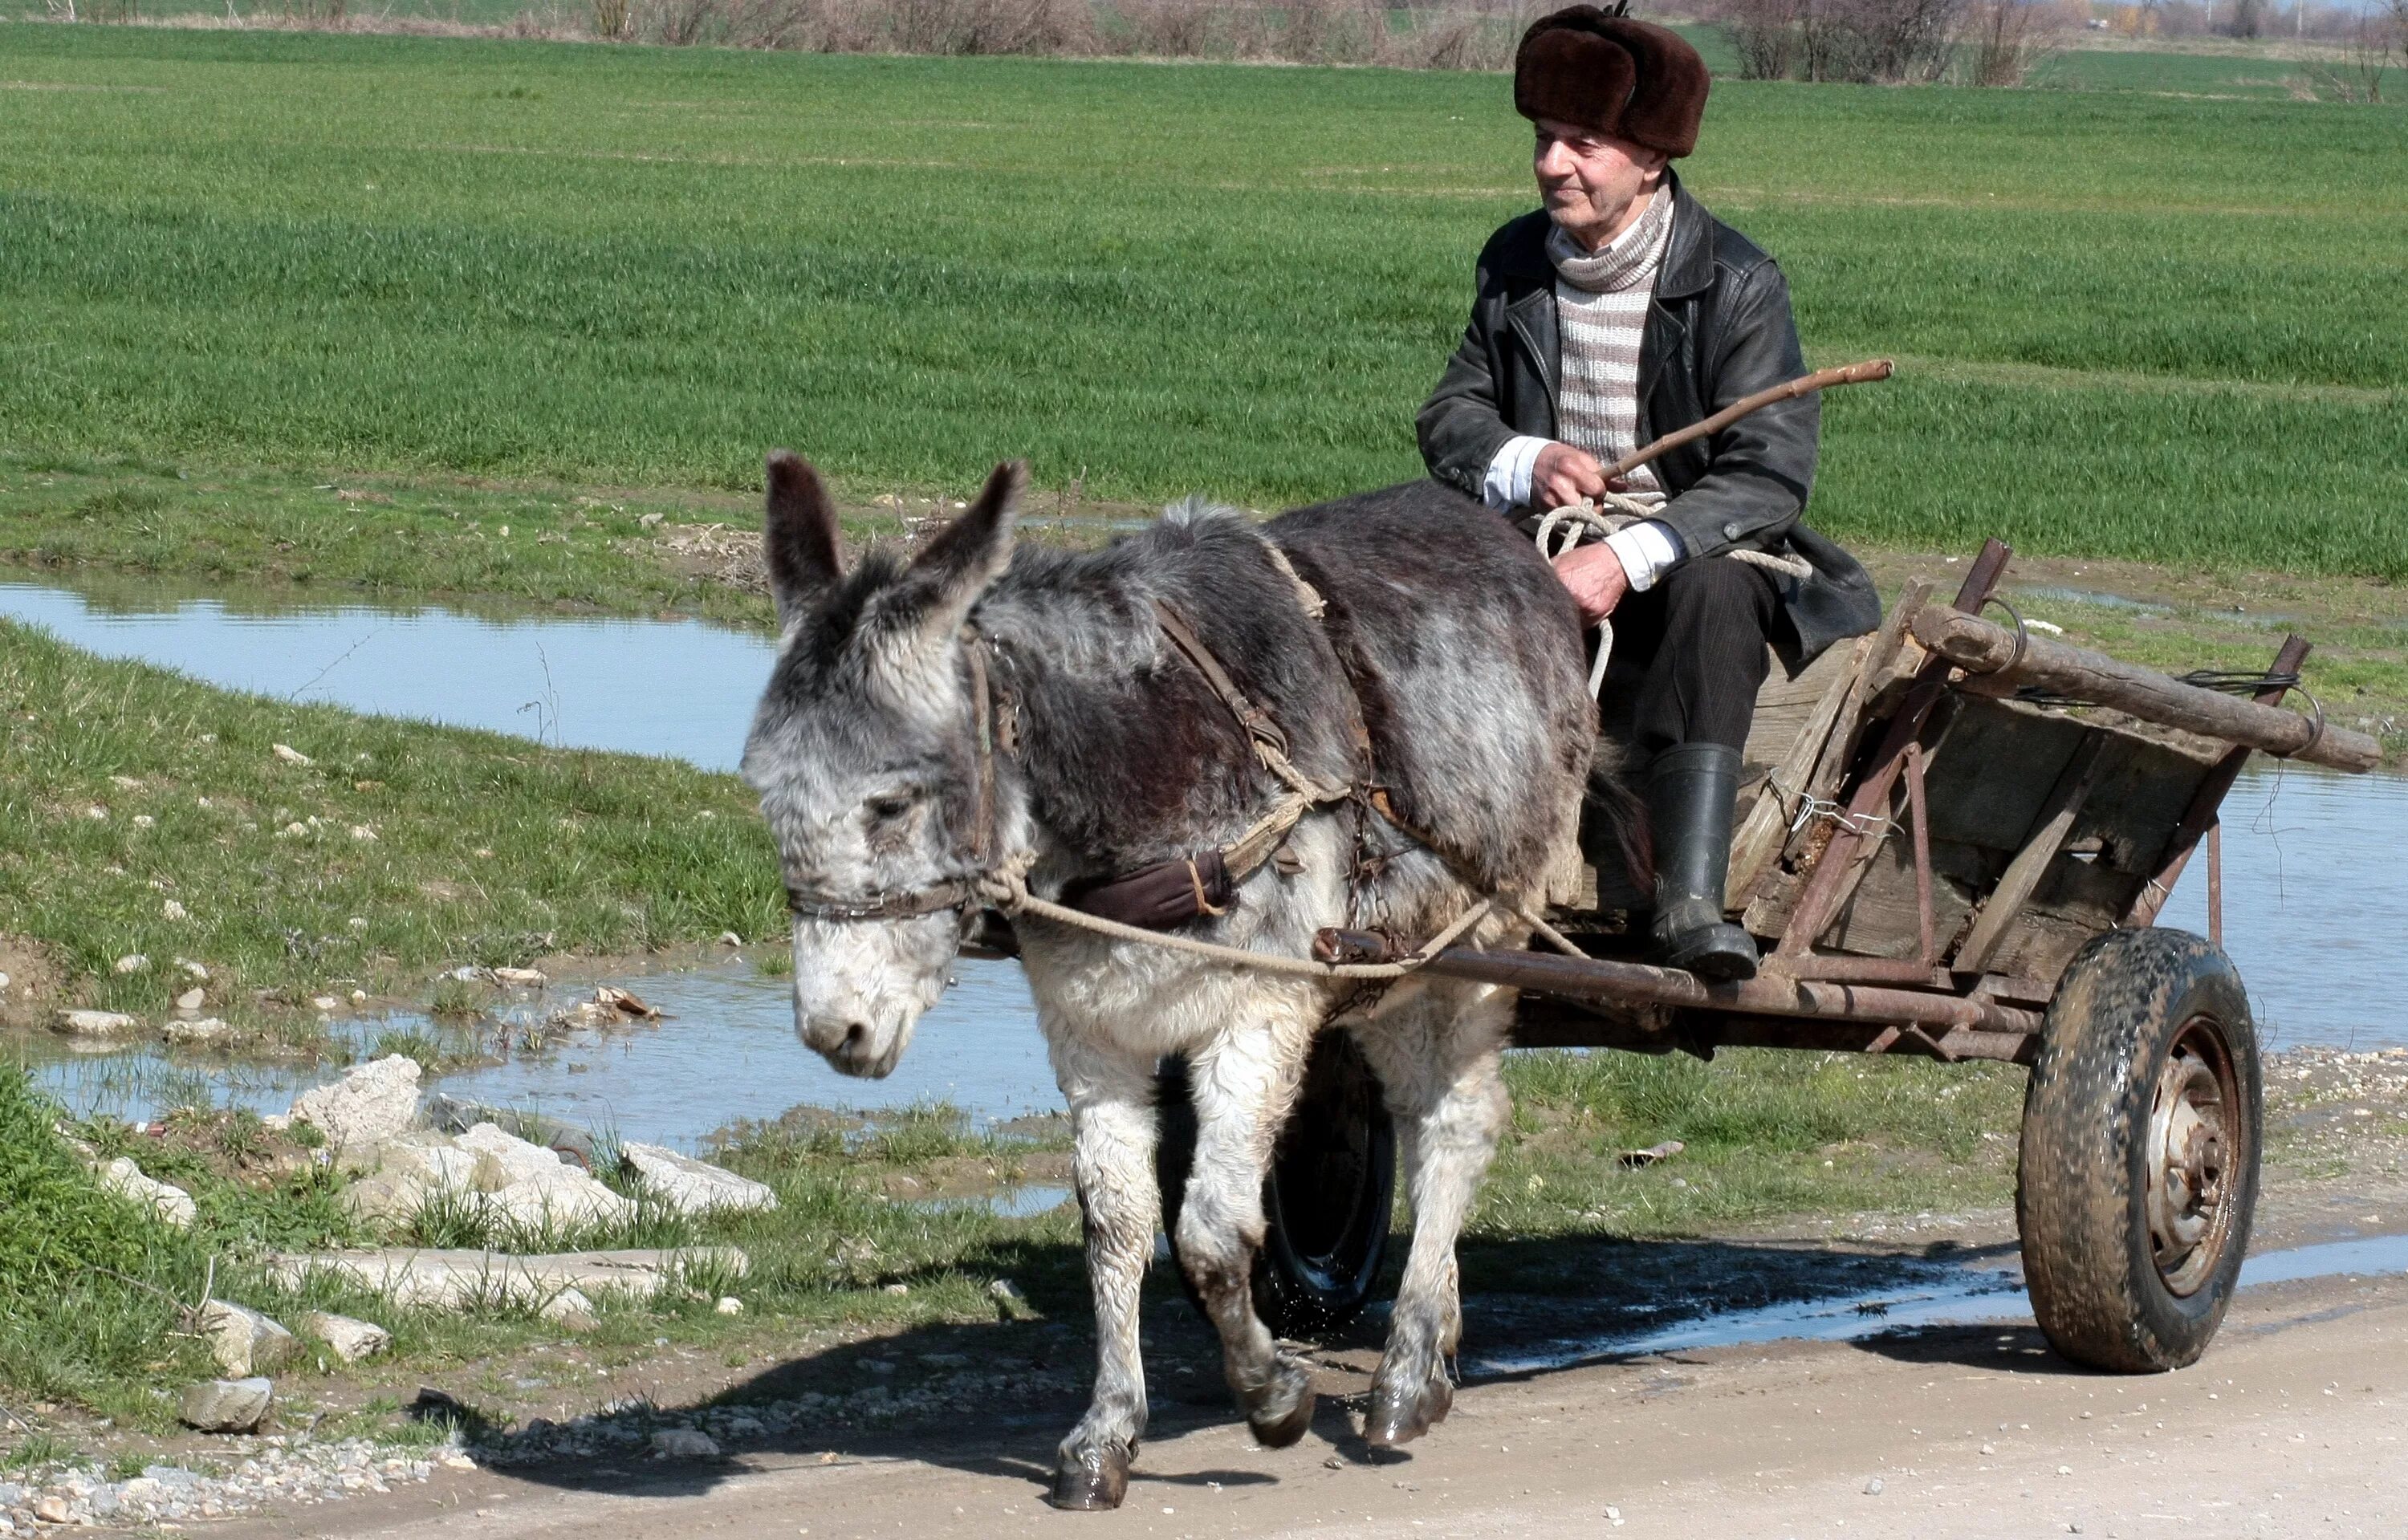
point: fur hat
(1603, 71)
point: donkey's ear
(946, 578)
(799, 539)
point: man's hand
(1563, 475)
(1595, 575)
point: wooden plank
(1977, 645)
(1883, 917)
(1836, 871)
(2006, 905)
(1766, 825)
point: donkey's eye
(887, 806)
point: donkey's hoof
(1399, 1417)
(1276, 1431)
(1090, 1480)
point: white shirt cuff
(1648, 551)
(1507, 484)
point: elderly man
(1619, 312)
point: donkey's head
(864, 753)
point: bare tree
(2006, 39)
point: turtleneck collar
(1628, 259)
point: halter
(959, 893)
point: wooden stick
(2005, 660)
(1821, 379)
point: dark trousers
(1689, 656)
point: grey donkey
(1462, 653)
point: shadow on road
(993, 1397)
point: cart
(1953, 841)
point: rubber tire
(2081, 1190)
(1327, 1199)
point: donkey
(1104, 750)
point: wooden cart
(1954, 842)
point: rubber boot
(1690, 793)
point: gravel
(278, 1470)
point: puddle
(2315, 904)
(681, 688)
(1926, 1294)
(728, 1052)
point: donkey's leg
(1439, 1058)
(1112, 1159)
(1244, 1082)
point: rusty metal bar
(2200, 815)
(1812, 911)
(1639, 984)
(1554, 1023)
(1833, 969)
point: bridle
(986, 882)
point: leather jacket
(1718, 328)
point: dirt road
(2293, 1425)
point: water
(2314, 902)
(680, 688)
(727, 1052)
(1926, 1294)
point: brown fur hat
(1603, 70)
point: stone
(172, 1204)
(173, 910)
(571, 1311)
(132, 962)
(243, 1341)
(693, 1187)
(289, 754)
(209, 1031)
(191, 1000)
(729, 1306)
(527, 978)
(685, 1444)
(198, 974)
(529, 1185)
(371, 1102)
(346, 1338)
(385, 1199)
(51, 1508)
(226, 1406)
(457, 1279)
(96, 1023)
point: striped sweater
(1600, 312)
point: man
(1619, 312)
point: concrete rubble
(172, 1203)
(370, 1103)
(350, 1340)
(243, 1341)
(226, 1406)
(96, 1023)
(693, 1187)
(458, 1279)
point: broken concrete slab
(348, 1339)
(528, 1185)
(690, 1186)
(172, 1203)
(226, 1406)
(371, 1102)
(96, 1023)
(460, 1279)
(243, 1341)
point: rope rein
(1574, 524)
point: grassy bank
(143, 814)
(641, 267)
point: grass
(455, 846)
(655, 264)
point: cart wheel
(2140, 1152)
(1325, 1202)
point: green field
(2157, 328)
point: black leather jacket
(1717, 329)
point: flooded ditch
(2316, 903)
